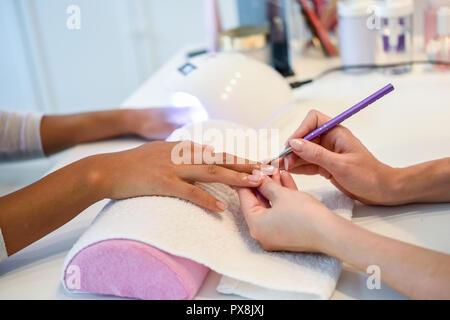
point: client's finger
(230, 161)
(213, 173)
(188, 152)
(197, 196)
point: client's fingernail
(254, 178)
(257, 173)
(221, 206)
(296, 144)
(268, 170)
(266, 161)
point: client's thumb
(314, 153)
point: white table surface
(409, 126)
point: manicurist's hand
(340, 157)
(283, 219)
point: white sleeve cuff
(32, 144)
(3, 252)
(20, 135)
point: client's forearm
(30, 213)
(63, 131)
(416, 272)
(425, 182)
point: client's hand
(340, 157)
(291, 221)
(59, 132)
(151, 170)
(157, 123)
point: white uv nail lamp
(229, 86)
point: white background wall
(45, 66)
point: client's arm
(29, 214)
(296, 221)
(59, 132)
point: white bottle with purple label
(356, 38)
(395, 34)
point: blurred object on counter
(212, 24)
(318, 29)
(249, 40)
(329, 17)
(438, 48)
(261, 33)
(319, 6)
(298, 31)
(356, 37)
(430, 18)
(278, 37)
(394, 19)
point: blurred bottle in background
(280, 47)
(261, 30)
(298, 31)
(248, 34)
(356, 34)
(430, 18)
(438, 48)
(395, 34)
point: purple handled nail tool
(343, 116)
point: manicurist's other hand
(340, 157)
(152, 170)
(282, 218)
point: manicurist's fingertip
(297, 144)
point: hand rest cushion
(133, 269)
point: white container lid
(394, 8)
(443, 21)
(355, 8)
